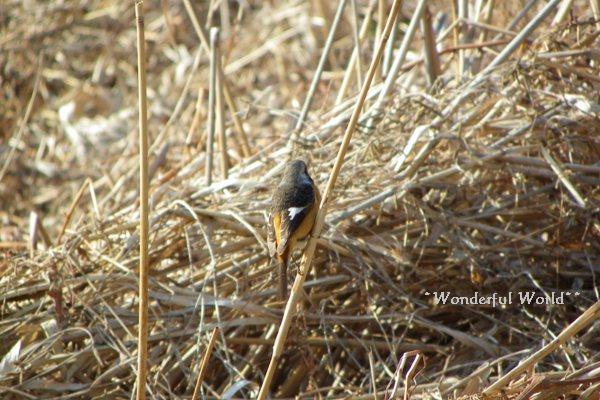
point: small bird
(292, 215)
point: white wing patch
(295, 211)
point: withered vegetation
(462, 180)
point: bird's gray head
(297, 172)
(295, 168)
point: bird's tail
(283, 264)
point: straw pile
(452, 187)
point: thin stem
(142, 367)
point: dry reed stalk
(357, 41)
(590, 315)
(225, 18)
(212, 99)
(463, 14)
(595, 4)
(398, 61)
(563, 12)
(437, 225)
(33, 228)
(71, 210)
(142, 348)
(373, 377)
(204, 363)
(381, 5)
(196, 119)
(499, 59)
(24, 121)
(388, 56)
(308, 255)
(430, 55)
(319, 71)
(558, 170)
(355, 57)
(220, 112)
(455, 28)
(204, 41)
(487, 17)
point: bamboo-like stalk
(357, 41)
(388, 55)
(455, 35)
(71, 209)
(562, 12)
(220, 110)
(355, 57)
(378, 32)
(196, 118)
(204, 363)
(596, 11)
(25, 119)
(463, 14)
(590, 315)
(224, 15)
(212, 98)
(33, 228)
(320, 219)
(142, 367)
(398, 61)
(239, 128)
(559, 171)
(487, 18)
(319, 71)
(430, 55)
(515, 42)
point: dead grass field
(474, 168)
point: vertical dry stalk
(596, 10)
(71, 210)
(196, 119)
(515, 42)
(237, 124)
(225, 18)
(380, 18)
(204, 362)
(226, 92)
(312, 243)
(355, 57)
(463, 15)
(388, 56)
(432, 61)
(487, 18)
(33, 227)
(319, 71)
(220, 109)
(25, 119)
(142, 367)
(398, 61)
(356, 36)
(212, 97)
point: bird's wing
(271, 235)
(292, 211)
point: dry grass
(498, 193)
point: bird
(294, 207)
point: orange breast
(277, 226)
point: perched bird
(292, 215)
